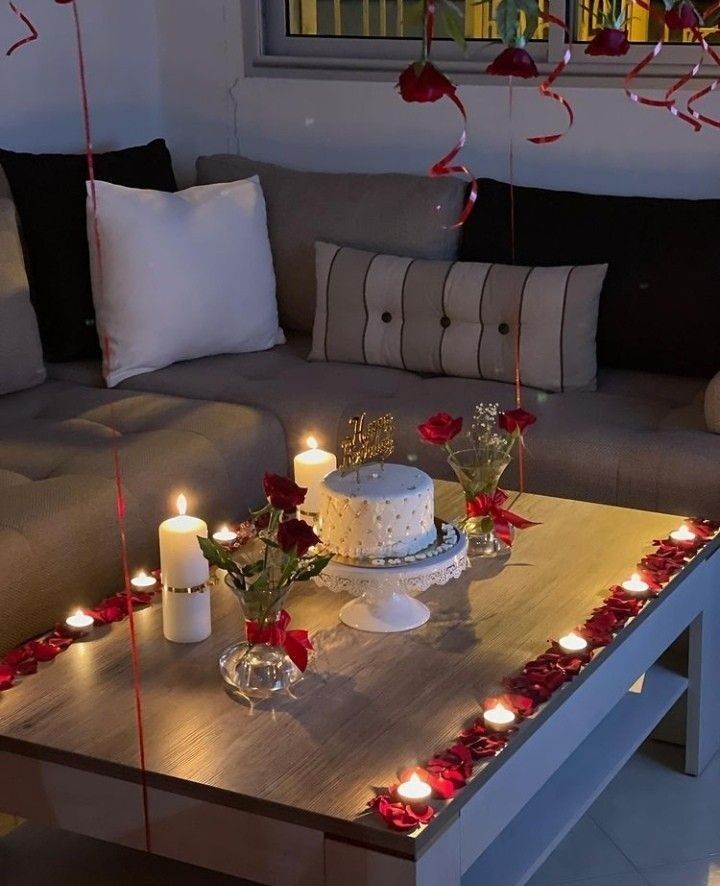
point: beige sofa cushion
(21, 358)
(712, 405)
(398, 214)
(59, 545)
(462, 319)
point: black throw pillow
(49, 191)
(659, 308)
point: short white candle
(79, 622)
(636, 586)
(225, 536)
(684, 533)
(572, 642)
(311, 467)
(414, 791)
(142, 581)
(499, 718)
(182, 563)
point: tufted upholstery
(58, 533)
(638, 441)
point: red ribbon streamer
(295, 643)
(711, 87)
(485, 505)
(445, 165)
(33, 35)
(667, 102)
(117, 469)
(545, 87)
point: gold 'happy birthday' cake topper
(369, 442)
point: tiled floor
(653, 825)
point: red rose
(282, 493)
(441, 428)
(609, 41)
(516, 420)
(422, 82)
(513, 62)
(683, 15)
(296, 535)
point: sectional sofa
(645, 438)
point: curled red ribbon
(711, 87)
(33, 35)
(445, 165)
(545, 87)
(295, 643)
(485, 505)
(668, 101)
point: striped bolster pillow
(462, 319)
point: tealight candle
(636, 586)
(415, 792)
(225, 536)
(499, 718)
(572, 642)
(684, 533)
(311, 467)
(79, 622)
(142, 581)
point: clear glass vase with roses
(261, 574)
(478, 463)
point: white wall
(614, 147)
(39, 92)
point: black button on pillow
(386, 317)
(503, 329)
(445, 322)
(49, 195)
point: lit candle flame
(181, 505)
(312, 443)
(636, 577)
(78, 613)
(414, 779)
(225, 529)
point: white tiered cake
(377, 512)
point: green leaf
(454, 28)
(532, 15)
(506, 19)
(314, 567)
(217, 555)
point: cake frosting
(376, 512)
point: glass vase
(258, 670)
(479, 471)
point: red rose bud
(441, 428)
(516, 420)
(282, 493)
(513, 62)
(683, 15)
(422, 82)
(609, 41)
(296, 535)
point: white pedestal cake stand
(385, 594)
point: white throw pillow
(185, 275)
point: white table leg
(703, 699)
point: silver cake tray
(447, 538)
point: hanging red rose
(423, 82)
(440, 428)
(513, 61)
(516, 420)
(682, 15)
(608, 42)
(282, 493)
(296, 535)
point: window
(376, 36)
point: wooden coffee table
(278, 796)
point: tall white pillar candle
(186, 612)
(311, 468)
